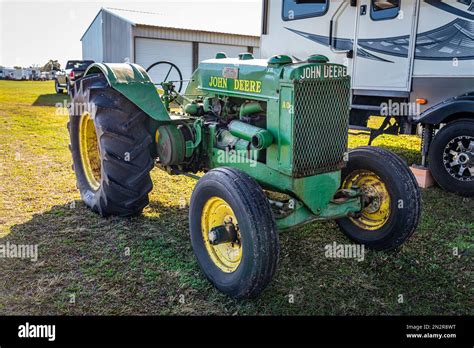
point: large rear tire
(451, 157)
(111, 149)
(230, 200)
(392, 202)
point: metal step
(366, 107)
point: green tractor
(271, 137)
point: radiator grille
(321, 125)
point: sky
(32, 32)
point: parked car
(44, 76)
(74, 70)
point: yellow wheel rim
(89, 150)
(377, 211)
(225, 256)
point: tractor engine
(290, 116)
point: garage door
(149, 51)
(209, 51)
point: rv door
(385, 38)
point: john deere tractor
(265, 139)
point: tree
(51, 65)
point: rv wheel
(451, 157)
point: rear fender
(133, 82)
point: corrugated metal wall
(196, 36)
(112, 39)
(92, 42)
(117, 39)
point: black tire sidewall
(395, 176)
(381, 172)
(124, 185)
(257, 228)
(88, 194)
(57, 88)
(435, 157)
(224, 281)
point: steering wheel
(163, 70)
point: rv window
(465, 2)
(384, 9)
(299, 9)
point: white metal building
(118, 35)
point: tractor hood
(260, 78)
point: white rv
(17, 74)
(409, 60)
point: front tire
(451, 157)
(111, 149)
(69, 89)
(240, 267)
(57, 87)
(392, 202)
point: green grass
(145, 265)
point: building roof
(162, 20)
